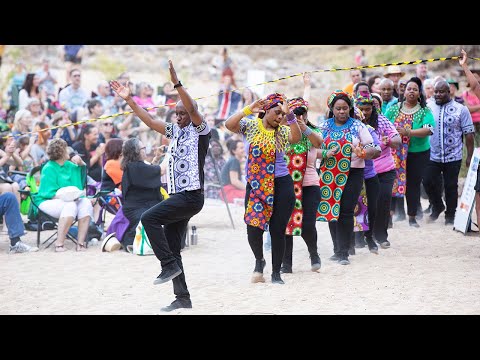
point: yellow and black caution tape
(401, 63)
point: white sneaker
(21, 247)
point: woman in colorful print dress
(270, 198)
(342, 172)
(414, 122)
(301, 159)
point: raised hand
(257, 106)
(332, 151)
(122, 91)
(306, 79)
(173, 73)
(285, 105)
(359, 151)
(463, 60)
(301, 122)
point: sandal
(60, 248)
(81, 247)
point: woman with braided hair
(347, 143)
(414, 121)
(301, 160)
(381, 174)
(270, 198)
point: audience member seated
(233, 186)
(91, 154)
(140, 186)
(9, 208)
(57, 173)
(112, 171)
(212, 182)
(39, 149)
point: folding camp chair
(42, 218)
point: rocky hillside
(193, 62)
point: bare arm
(472, 80)
(295, 134)
(469, 140)
(307, 87)
(234, 180)
(233, 122)
(187, 100)
(315, 138)
(124, 93)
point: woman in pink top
(144, 97)
(301, 159)
(385, 169)
(472, 102)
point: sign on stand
(467, 200)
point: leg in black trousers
(310, 201)
(174, 233)
(416, 163)
(450, 179)
(283, 204)
(382, 214)
(342, 230)
(372, 186)
(433, 188)
(173, 213)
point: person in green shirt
(414, 122)
(59, 172)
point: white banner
(467, 200)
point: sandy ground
(431, 270)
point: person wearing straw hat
(166, 222)
(394, 73)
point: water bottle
(194, 236)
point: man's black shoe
(286, 269)
(384, 244)
(436, 213)
(360, 242)
(276, 279)
(449, 221)
(167, 274)
(315, 262)
(177, 304)
(335, 257)
(372, 246)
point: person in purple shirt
(270, 196)
(384, 169)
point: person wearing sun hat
(270, 196)
(347, 143)
(394, 73)
(301, 159)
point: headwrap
(296, 103)
(337, 93)
(363, 98)
(273, 100)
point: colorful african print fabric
(334, 170)
(296, 159)
(261, 169)
(400, 155)
(360, 216)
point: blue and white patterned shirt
(452, 120)
(186, 156)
